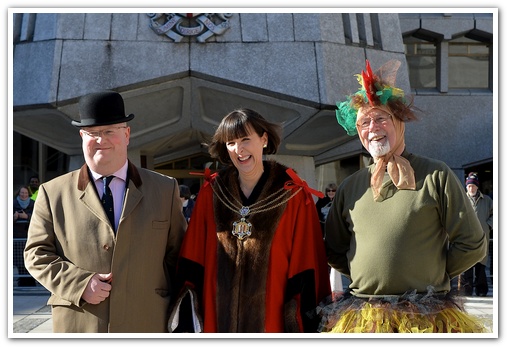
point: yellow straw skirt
(408, 313)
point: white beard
(378, 149)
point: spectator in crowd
(476, 277)
(187, 201)
(400, 229)
(23, 208)
(324, 204)
(104, 239)
(33, 187)
(253, 257)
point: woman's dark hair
(236, 125)
(184, 191)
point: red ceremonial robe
(269, 282)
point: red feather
(369, 83)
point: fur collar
(243, 264)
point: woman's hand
(20, 215)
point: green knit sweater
(410, 239)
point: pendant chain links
(251, 209)
(242, 228)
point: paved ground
(32, 316)
(30, 312)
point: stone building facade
(181, 73)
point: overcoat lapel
(91, 199)
(132, 198)
(89, 196)
(133, 194)
(92, 202)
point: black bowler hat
(102, 108)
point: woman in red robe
(253, 258)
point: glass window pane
(458, 49)
(468, 72)
(421, 59)
(479, 49)
(468, 64)
(181, 164)
(202, 162)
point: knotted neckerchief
(398, 168)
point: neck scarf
(398, 168)
(23, 203)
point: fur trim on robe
(244, 264)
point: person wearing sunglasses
(324, 204)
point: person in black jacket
(187, 201)
(324, 204)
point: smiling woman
(254, 240)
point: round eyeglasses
(364, 123)
(106, 133)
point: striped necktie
(107, 200)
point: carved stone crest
(179, 25)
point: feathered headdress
(376, 89)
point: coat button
(106, 247)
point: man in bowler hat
(106, 275)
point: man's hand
(98, 288)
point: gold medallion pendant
(242, 229)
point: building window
(336, 171)
(468, 64)
(31, 157)
(465, 61)
(422, 63)
(25, 159)
(190, 170)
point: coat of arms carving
(199, 25)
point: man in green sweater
(400, 229)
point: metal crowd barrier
(21, 276)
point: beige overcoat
(70, 239)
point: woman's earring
(265, 146)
